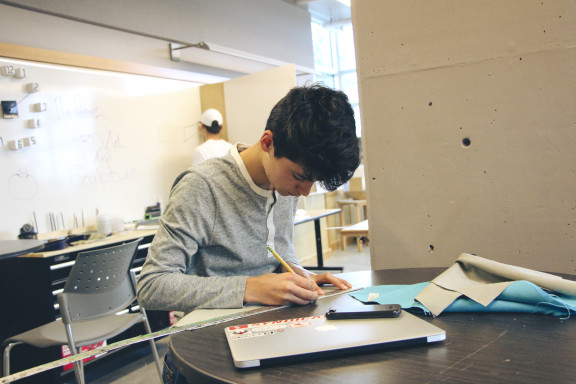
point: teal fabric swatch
(520, 297)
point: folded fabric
(518, 297)
(474, 283)
(482, 280)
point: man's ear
(266, 141)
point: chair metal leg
(152, 344)
(78, 365)
(6, 358)
(147, 328)
(79, 371)
(156, 359)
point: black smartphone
(364, 312)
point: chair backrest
(99, 283)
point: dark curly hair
(314, 127)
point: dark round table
(479, 348)
(15, 248)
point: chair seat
(85, 332)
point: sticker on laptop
(268, 328)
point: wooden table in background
(358, 230)
(357, 204)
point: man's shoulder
(211, 169)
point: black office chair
(99, 286)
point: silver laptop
(254, 345)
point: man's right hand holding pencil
(297, 287)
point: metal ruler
(153, 335)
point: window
(335, 58)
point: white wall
(500, 73)
(249, 100)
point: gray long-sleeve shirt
(212, 235)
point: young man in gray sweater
(210, 250)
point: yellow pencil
(280, 259)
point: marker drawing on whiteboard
(22, 185)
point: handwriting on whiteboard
(103, 148)
(74, 108)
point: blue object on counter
(519, 296)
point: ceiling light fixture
(227, 58)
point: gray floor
(138, 365)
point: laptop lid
(258, 344)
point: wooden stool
(357, 204)
(358, 230)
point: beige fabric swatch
(482, 280)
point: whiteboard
(106, 142)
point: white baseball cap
(210, 115)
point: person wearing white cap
(214, 145)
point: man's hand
(280, 289)
(300, 287)
(323, 278)
(328, 278)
